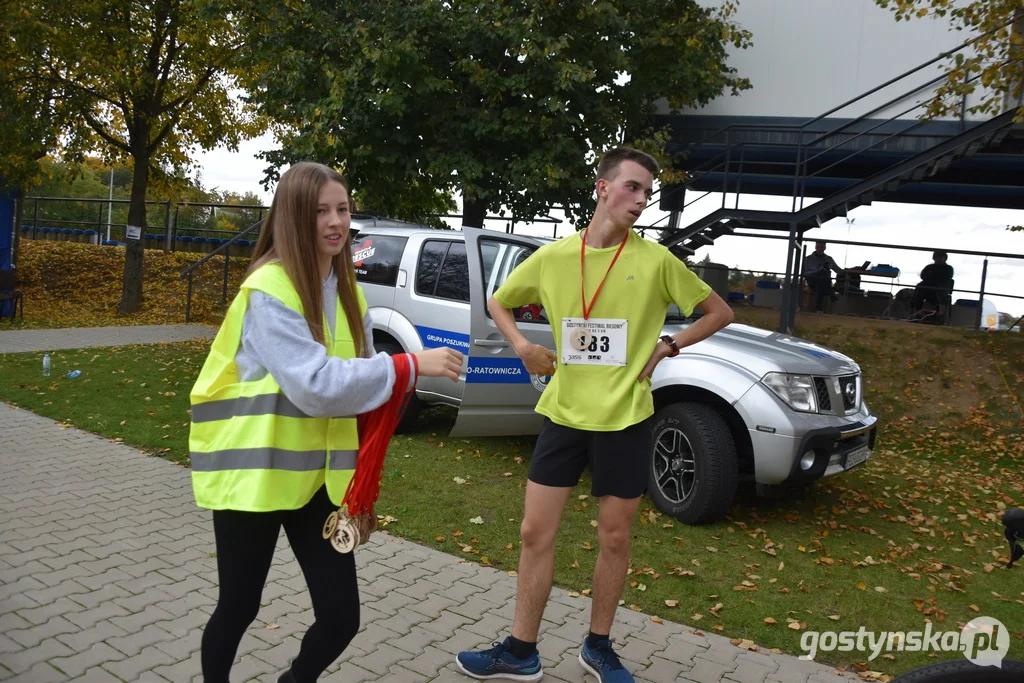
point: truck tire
(412, 412)
(963, 671)
(693, 468)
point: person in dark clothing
(818, 267)
(936, 286)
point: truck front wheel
(693, 468)
(964, 671)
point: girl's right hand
(440, 362)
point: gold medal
(579, 338)
(330, 525)
(346, 536)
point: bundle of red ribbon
(375, 431)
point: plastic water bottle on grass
(46, 365)
(74, 373)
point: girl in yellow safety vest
(274, 439)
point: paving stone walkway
(19, 341)
(107, 573)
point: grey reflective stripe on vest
(271, 459)
(343, 460)
(264, 404)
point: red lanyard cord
(583, 273)
(375, 431)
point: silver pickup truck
(743, 405)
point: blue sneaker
(604, 663)
(499, 662)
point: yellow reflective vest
(251, 448)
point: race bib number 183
(597, 341)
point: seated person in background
(936, 284)
(818, 267)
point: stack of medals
(345, 532)
(344, 536)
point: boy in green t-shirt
(606, 291)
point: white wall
(811, 55)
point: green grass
(800, 553)
(919, 520)
(134, 394)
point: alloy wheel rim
(674, 465)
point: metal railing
(226, 249)
(177, 225)
(174, 223)
(894, 283)
(98, 224)
(194, 230)
(814, 152)
(811, 145)
(731, 163)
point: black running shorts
(618, 460)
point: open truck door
(500, 394)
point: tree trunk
(473, 212)
(131, 288)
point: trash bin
(767, 294)
(964, 313)
(717, 277)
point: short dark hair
(939, 254)
(821, 242)
(609, 164)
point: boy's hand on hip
(661, 351)
(537, 359)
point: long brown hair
(289, 235)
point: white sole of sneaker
(493, 677)
(589, 669)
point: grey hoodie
(277, 340)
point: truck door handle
(494, 343)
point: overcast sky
(932, 227)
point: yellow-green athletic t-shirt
(645, 280)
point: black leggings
(245, 548)
(821, 283)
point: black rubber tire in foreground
(692, 473)
(963, 671)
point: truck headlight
(796, 390)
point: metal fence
(171, 226)
(205, 228)
(882, 293)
